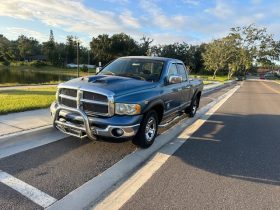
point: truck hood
(115, 84)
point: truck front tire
(147, 132)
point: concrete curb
(95, 189)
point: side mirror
(174, 79)
(98, 69)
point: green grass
(205, 82)
(18, 100)
(209, 78)
(20, 84)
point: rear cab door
(186, 93)
(173, 92)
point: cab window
(172, 70)
(182, 71)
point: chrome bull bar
(64, 126)
(85, 129)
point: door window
(172, 70)
(182, 71)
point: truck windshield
(142, 69)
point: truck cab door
(186, 92)
(172, 92)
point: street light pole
(88, 62)
(78, 67)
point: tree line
(243, 49)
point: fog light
(117, 132)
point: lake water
(30, 77)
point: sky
(165, 21)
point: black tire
(141, 137)
(191, 110)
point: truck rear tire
(191, 110)
(147, 132)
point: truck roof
(153, 58)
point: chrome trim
(79, 99)
(67, 97)
(129, 131)
(65, 124)
(169, 122)
(94, 102)
(90, 131)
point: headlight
(127, 109)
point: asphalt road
(231, 162)
(60, 167)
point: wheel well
(159, 110)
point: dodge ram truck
(131, 97)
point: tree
(219, 54)
(5, 56)
(70, 49)
(106, 48)
(28, 47)
(257, 45)
(49, 49)
(145, 46)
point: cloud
(14, 32)
(71, 15)
(221, 10)
(192, 2)
(159, 19)
(127, 19)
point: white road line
(123, 193)
(27, 190)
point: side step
(169, 122)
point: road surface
(231, 162)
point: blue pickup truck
(130, 97)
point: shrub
(37, 63)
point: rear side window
(182, 71)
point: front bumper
(76, 123)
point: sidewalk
(23, 121)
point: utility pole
(88, 62)
(78, 67)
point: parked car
(262, 76)
(270, 75)
(130, 97)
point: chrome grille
(91, 103)
(94, 96)
(67, 102)
(68, 92)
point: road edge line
(37, 196)
(91, 192)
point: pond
(8, 75)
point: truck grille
(91, 103)
(67, 102)
(68, 92)
(94, 96)
(91, 109)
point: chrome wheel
(194, 107)
(150, 129)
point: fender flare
(152, 104)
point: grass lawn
(18, 100)
(209, 78)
